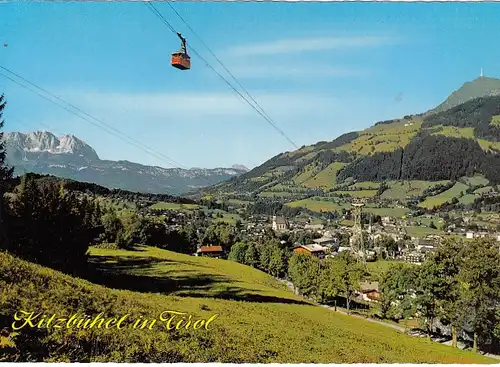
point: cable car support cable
(68, 106)
(172, 29)
(218, 60)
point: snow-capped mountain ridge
(44, 141)
(70, 157)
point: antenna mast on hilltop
(482, 72)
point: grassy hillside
(259, 321)
(479, 87)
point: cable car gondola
(181, 59)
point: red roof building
(213, 251)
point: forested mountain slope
(461, 141)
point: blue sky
(318, 69)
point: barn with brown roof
(211, 251)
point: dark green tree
(238, 252)
(5, 174)
(48, 227)
(448, 259)
(396, 292)
(349, 277)
(220, 233)
(277, 262)
(479, 279)
(251, 256)
(297, 269)
(388, 245)
(151, 232)
(430, 289)
(329, 279)
(111, 226)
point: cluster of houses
(172, 219)
(481, 234)
(411, 249)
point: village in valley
(360, 226)
(374, 240)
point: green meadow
(254, 318)
(444, 197)
(174, 206)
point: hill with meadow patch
(397, 159)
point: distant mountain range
(69, 157)
(460, 137)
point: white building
(341, 249)
(471, 235)
(326, 241)
(314, 227)
(279, 223)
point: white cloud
(200, 129)
(192, 107)
(308, 44)
(313, 71)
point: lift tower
(357, 233)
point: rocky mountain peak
(46, 142)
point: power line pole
(357, 240)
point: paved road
(397, 327)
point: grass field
(383, 138)
(174, 206)
(488, 145)
(438, 222)
(400, 190)
(304, 176)
(467, 199)
(243, 280)
(270, 194)
(228, 218)
(325, 179)
(317, 205)
(327, 205)
(380, 266)
(444, 197)
(414, 231)
(366, 185)
(483, 190)
(357, 194)
(347, 222)
(387, 212)
(495, 120)
(476, 180)
(456, 132)
(257, 320)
